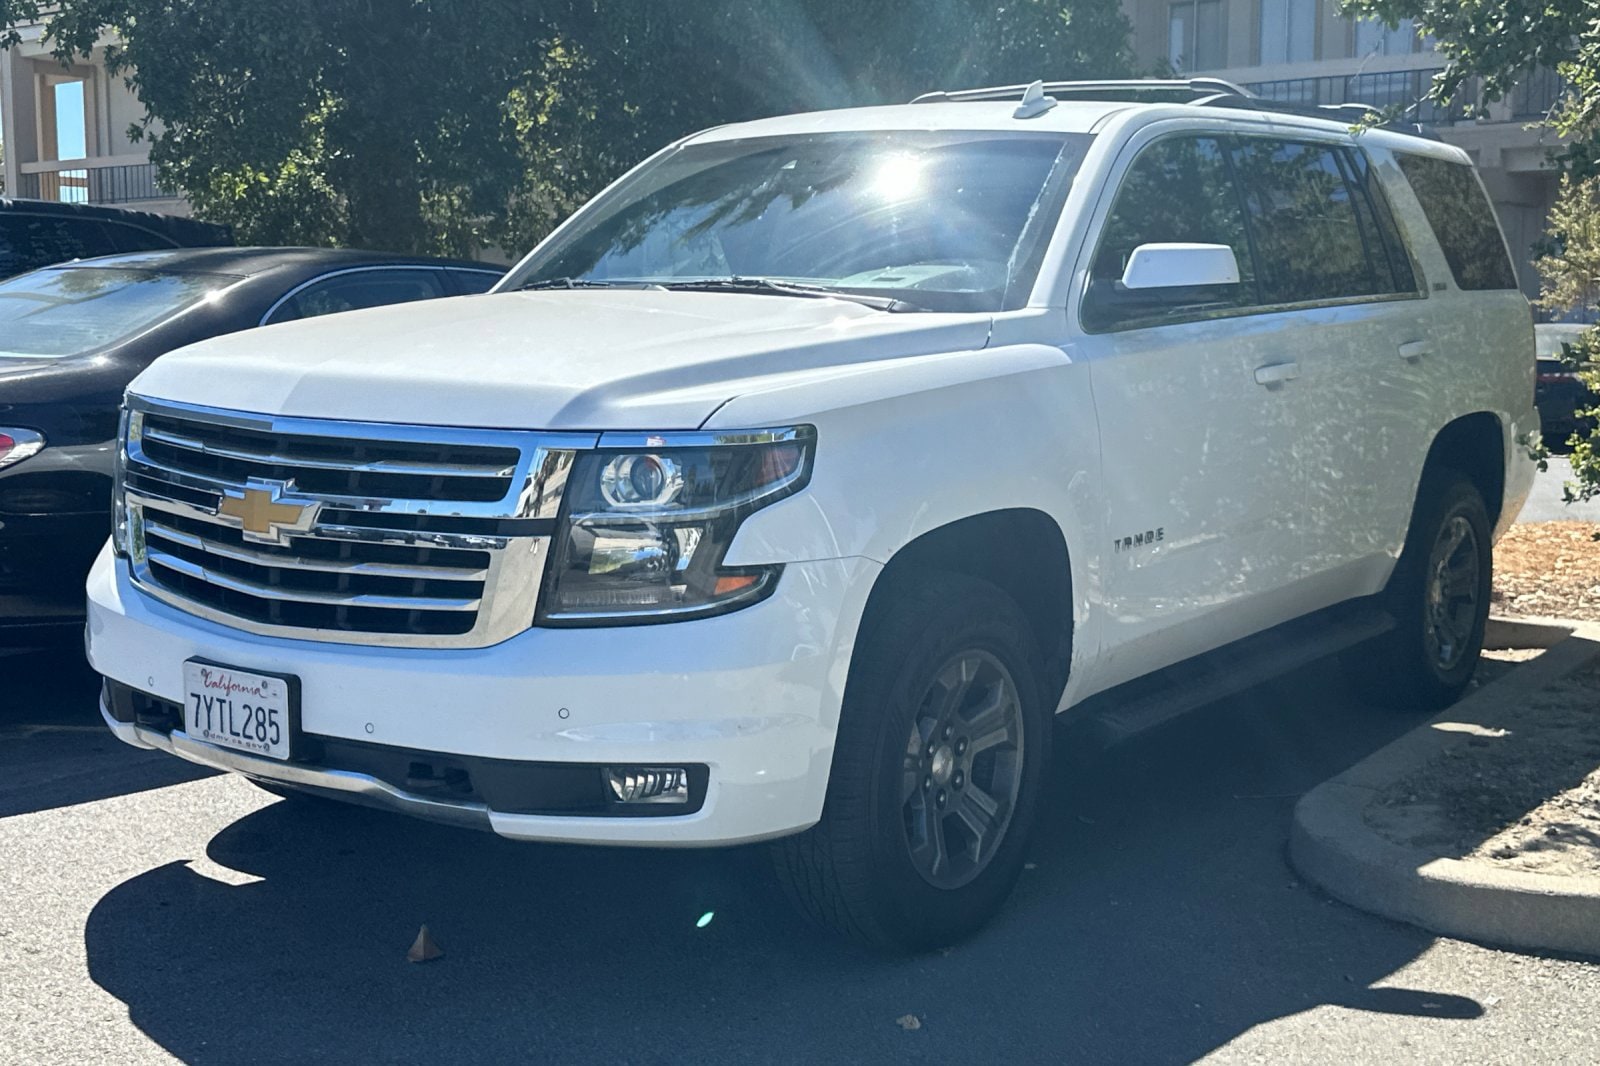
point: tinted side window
(1393, 246)
(28, 242)
(1462, 220)
(1309, 242)
(359, 289)
(471, 282)
(1177, 191)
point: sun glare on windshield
(898, 177)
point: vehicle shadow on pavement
(1158, 920)
(55, 751)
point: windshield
(945, 220)
(55, 313)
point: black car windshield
(72, 310)
(943, 220)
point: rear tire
(941, 754)
(1439, 597)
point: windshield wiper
(577, 283)
(774, 287)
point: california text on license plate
(237, 709)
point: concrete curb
(1332, 846)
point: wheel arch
(1473, 445)
(1022, 551)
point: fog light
(648, 784)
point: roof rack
(1197, 92)
(1132, 90)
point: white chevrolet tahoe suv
(789, 488)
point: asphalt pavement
(153, 912)
(1545, 503)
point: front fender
(906, 449)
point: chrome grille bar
(270, 592)
(453, 560)
(153, 528)
(379, 466)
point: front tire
(941, 754)
(1439, 597)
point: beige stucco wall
(110, 110)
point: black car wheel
(1439, 597)
(942, 750)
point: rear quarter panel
(1483, 358)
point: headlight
(127, 528)
(645, 527)
(18, 444)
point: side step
(1117, 714)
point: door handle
(1415, 349)
(1277, 373)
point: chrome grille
(341, 531)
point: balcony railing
(71, 183)
(1534, 96)
(1383, 89)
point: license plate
(238, 709)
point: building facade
(66, 131)
(1304, 51)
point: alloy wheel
(962, 769)
(1454, 574)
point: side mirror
(1172, 266)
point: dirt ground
(1523, 791)
(1550, 569)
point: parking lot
(150, 912)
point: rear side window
(359, 289)
(1313, 230)
(1178, 190)
(472, 282)
(28, 242)
(1373, 207)
(1462, 219)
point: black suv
(36, 233)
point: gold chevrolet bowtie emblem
(265, 516)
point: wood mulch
(1550, 569)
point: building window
(1373, 38)
(1195, 39)
(1288, 31)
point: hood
(564, 360)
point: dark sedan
(73, 336)
(1560, 394)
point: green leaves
(449, 125)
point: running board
(1133, 707)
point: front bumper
(43, 560)
(55, 513)
(753, 697)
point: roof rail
(1133, 90)
(1198, 92)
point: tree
(1568, 271)
(1490, 45)
(443, 125)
